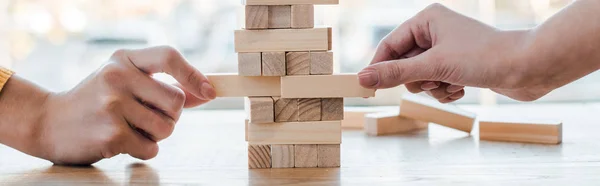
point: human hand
(440, 51)
(120, 108)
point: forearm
(21, 109)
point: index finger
(395, 44)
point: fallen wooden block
(321, 63)
(303, 16)
(261, 110)
(298, 63)
(316, 132)
(233, 85)
(527, 131)
(290, 2)
(323, 86)
(283, 40)
(259, 156)
(309, 109)
(286, 110)
(328, 155)
(423, 109)
(332, 109)
(280, 16)
(273, 63)
(257, 17)
(385, 123)
(306, 156)
(250, 64)
(282, 156)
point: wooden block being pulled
(257, 17)
(233, 85)
(323, 86)
(521, 130)
(306, 156)
(259, 156)
(321, 63)
(303, 16)
(314, 132)
(273, 63)
(298, 63)
(332, 109)
(328, 155)
(386, 123)
(309, 109)
(280, 16)
(286, 110)
(250, 64)
(282, 40)
(261, 110)
(282, 156)
(290, 2)
(423, 109)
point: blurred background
(57, 43)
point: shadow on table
(304, 176)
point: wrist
(515, 59)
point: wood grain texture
(303, 16)
(386, 123)
(233, 85)
(280, 16)
(309, 109)
(328, 156)
(261, 110)
(298, 63)
(289, 2)
(286, 110)
(323, 86)
(257, 17)
(525, 131)
(250, 64)
(259, 156)
(282, 40)
(332, 109)
(306, 156)
(424, 109)
(273, 63)
(315, 132)
(282, 156)
(321, 63)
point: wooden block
(290, 2)
(354, 120)
(249, 64)
(321, 63)
(386, 123)
(315, 132)
(259, 156)
(261, 110)
(257, 17)
(428, 110)
(309, 109)
(306, 156)
(282, 156)
(298, 63)
(280, 16)
(522, 130)
(273, 63)
(233, 85)
(303, 16)
(328, 155)
(247, 121)
(286, 110)
(282, 40)
(323, 86)
(332, 109)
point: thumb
(392, 73)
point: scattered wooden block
(329, 86)
(527, 131)
(273, 63)
(354, 120)
(386, 123)
(303, 16)
(249, 64)
(315, 132)
(282, 40)
(328, 155)
(259, 156)
(282, 156)
(298, 63)
(261, 110)
(332, 109)
(257, 17)
(309, 109)
(306, 156)
(232, 85)
(280, 16)
(286, 110)
(289, 2)
(321, 63)
(423, 109)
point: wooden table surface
(208, 148)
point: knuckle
(113, 138)
(192, 78)
(169, 54)
(119, 54)
(165, 128)
(178, 97)
(112, 73)
(394, 72)
(109, 103)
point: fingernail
(429, 86)
(368, 78)
(454, 88)
(208, 91)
